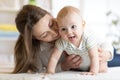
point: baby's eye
(73, 26)
(63, 29)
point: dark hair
(27, 49)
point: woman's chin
(54, 39)
(58, 36)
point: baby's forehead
(68, 12)
(70, 16)
(68, 9)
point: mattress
(112, 74)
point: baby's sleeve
(91, 40)
(60, 45)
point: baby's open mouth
(71, 38)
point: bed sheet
(112, 74)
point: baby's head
(70, 23)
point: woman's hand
(71, 61)
(104, 55)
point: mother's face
(46, 29)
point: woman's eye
(73, 26)
(44, 35)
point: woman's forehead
(46, 18)
(42, 25)
(43, 21)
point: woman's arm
(107, 51)
(105, 55)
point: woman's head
(35, 25)
(32, 22)
(46, 29)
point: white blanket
(112, 74)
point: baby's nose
(69, 31)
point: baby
(76, 40)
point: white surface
(112, 74)
(6, 53)
(22, 77)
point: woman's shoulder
(46, 45)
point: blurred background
(102, 16)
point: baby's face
(71, 28)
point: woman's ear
(55, 26)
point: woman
(38, 32)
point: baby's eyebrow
(62, 27)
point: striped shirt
(88, 42)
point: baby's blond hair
(68, 10)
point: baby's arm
(94, 66)
(94, 61)
(53, 61)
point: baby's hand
(88, 73)
(49, 73)
(45, 73)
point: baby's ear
(83, 23)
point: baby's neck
(77, 44)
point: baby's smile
(71, 38)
